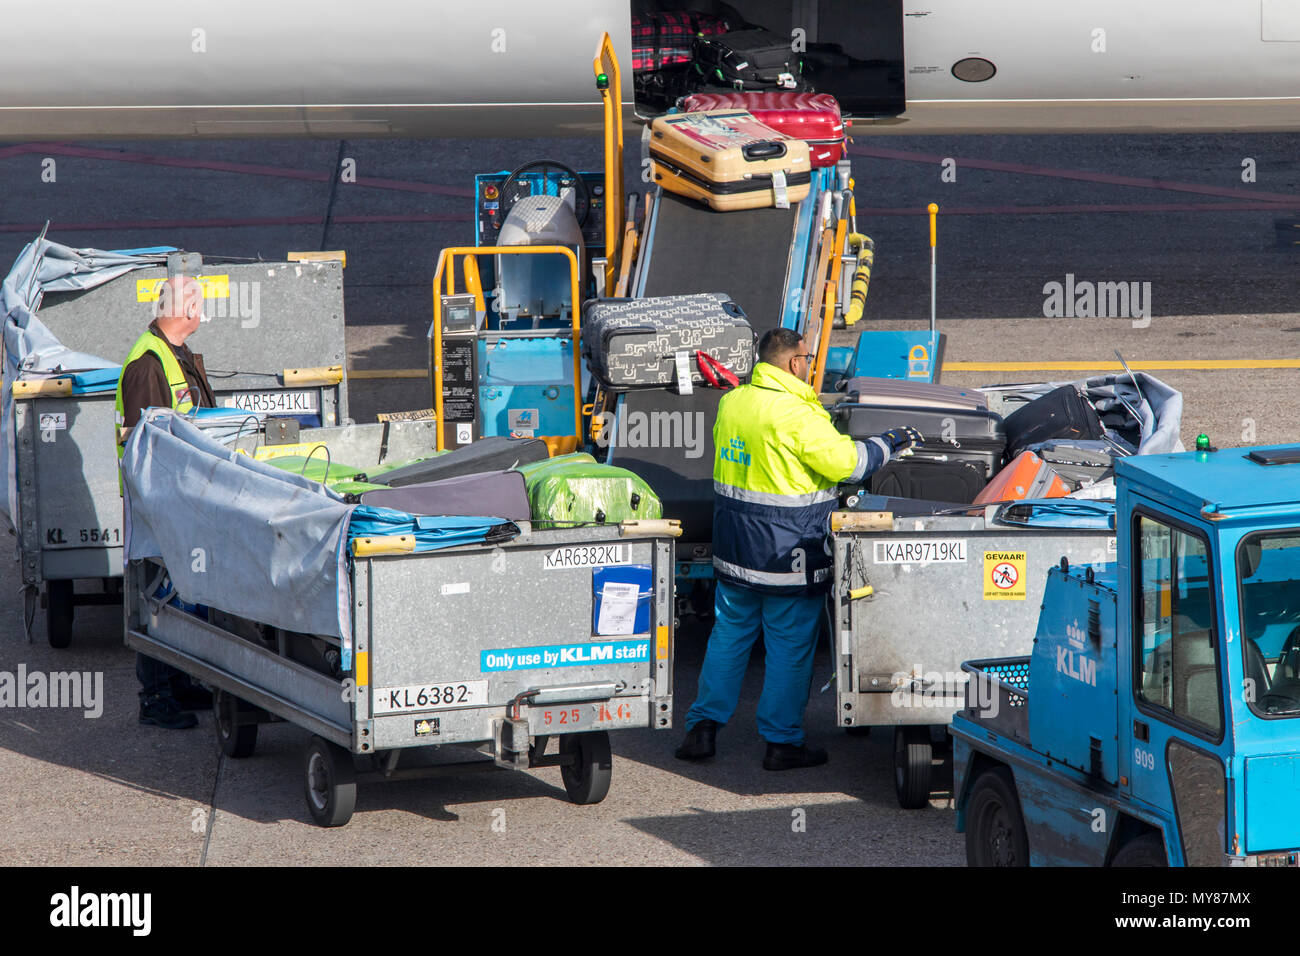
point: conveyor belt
(744, 253)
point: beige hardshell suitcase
(729, 160)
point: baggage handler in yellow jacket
(160, 371)
(778, 462)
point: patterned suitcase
(812, 117)
(729, 160)
(634, 342)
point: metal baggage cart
(490, 646)
(915, 597)
(274, 344)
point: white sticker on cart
(586, 556)
(54, 421)
(1112, 546)
(459, 588)
(921, 551)
(435, 695)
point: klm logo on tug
(735, 452)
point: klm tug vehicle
(1157, 719)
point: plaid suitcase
(634, 342)
(662, 39)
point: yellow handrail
(605, 64)
(447, 265)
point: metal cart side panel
(434, 618)
(900, 651)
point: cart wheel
(586, 780)
(235, 739)
(995, 829)
(1146, 850)
(331, 783)
(913, 763)
(58, 613)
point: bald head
(180, 308)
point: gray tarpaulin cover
(235, 533)
(30, 349)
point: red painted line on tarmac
(1083, 209)
(244, 169)
(1108, 179)
(57, 226)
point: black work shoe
(790, 757)
(698, 744)
(165, 712)
(190, 696)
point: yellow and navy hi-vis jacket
(778, 461)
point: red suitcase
(812, 117)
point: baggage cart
(498, 647)
(915, 597)
(281, 357)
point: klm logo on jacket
(735, 452)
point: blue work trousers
(790, 626)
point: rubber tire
(235, 740)
(587, 779)
(1148, 850)
(993, 800)
(58, 613)
(913, 766)
(330, 783)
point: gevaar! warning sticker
(1004, 575)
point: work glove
(901, 439)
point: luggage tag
(684, 385)
(778, 187)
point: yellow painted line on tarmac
(1101, 365)
(382, 373)
(1204, 365)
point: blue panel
(640, 575)
(526, 361)
(839, 359)
(1272, 794)
(893, 353)
(526, 410)
(1077, 675)
(806, 235)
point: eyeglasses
(804, 355)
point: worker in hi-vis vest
(779, 460)
(161, 372)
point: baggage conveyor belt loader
(387, 635)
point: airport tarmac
(1023, 212)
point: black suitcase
(486, 454)
(748, 60)
(1061, 413)
(495, 494)
(950, 434)
(948, 481)
(633, 342)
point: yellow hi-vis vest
(176, 384)
(778, 462)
